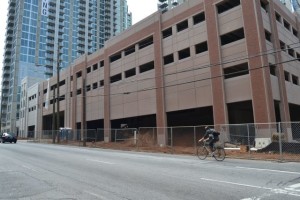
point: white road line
(276, 191)
(239, 184)
(99, 161)
(295, 187)
(26, 167)
(269, 170)
(96, 195)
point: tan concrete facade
(179, 61)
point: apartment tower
(45, 35)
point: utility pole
(53, 117)
(57, 84)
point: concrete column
(262, 99)
(218, 93)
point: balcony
(4, 103)
(80, 48)
(50, 35)
(81, 24)
(5, 87)
(49, 49)
(49, 64)
(81, 30)
(51, 21)
(81, 43)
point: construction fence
(269, 141)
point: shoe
(212, 154)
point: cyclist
(211, 136)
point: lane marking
(295, 187)
(276, 191)
(269, 170)
(96, 195)
(26, 167)
(239, 184)
(99, 161)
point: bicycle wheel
(202, 152)
(219, 154)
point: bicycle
(218, 152)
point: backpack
(216, 134)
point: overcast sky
(139, 9)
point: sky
(139, 9)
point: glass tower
(45, 35)
(165, 5)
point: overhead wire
(260, 54)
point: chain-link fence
(269, 141)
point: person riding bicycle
(211, 136)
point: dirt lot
(130, 146)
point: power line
(204, 79)
(203, 67)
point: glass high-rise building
(42, 34)
(165, 5)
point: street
(41, 171)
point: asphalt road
(40, 171)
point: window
(185, 53)
(291, 51)
(264, 4)
(61, 83)
(168, 59)
(115, 57)
(295, 33)
(272, 69)
(282, 45)
(286, 76)
(101, 83)
(227, 5)
(78, 91)
(95, 85)
(201, 47)
(146, 42)
(45, 91)
(88, 70)
(146, 67)
(298, 56)
(88, 88)
(232, 36)
(182, 25)
(167, 32)
(78, 74)
(95, 66)
(71, 94)
(268, 35)
(295, 80)
(278, 17)
(61, 98)
(101, 63)
(129, 50)
(286, 25)
(116, 78)
(71, 78)
(235, 71)
(130, 72)
(199, 18)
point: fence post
(195, 139)
(115, 135)
(280, 143)
(249, 141)
(171, 139)
(153, 137)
